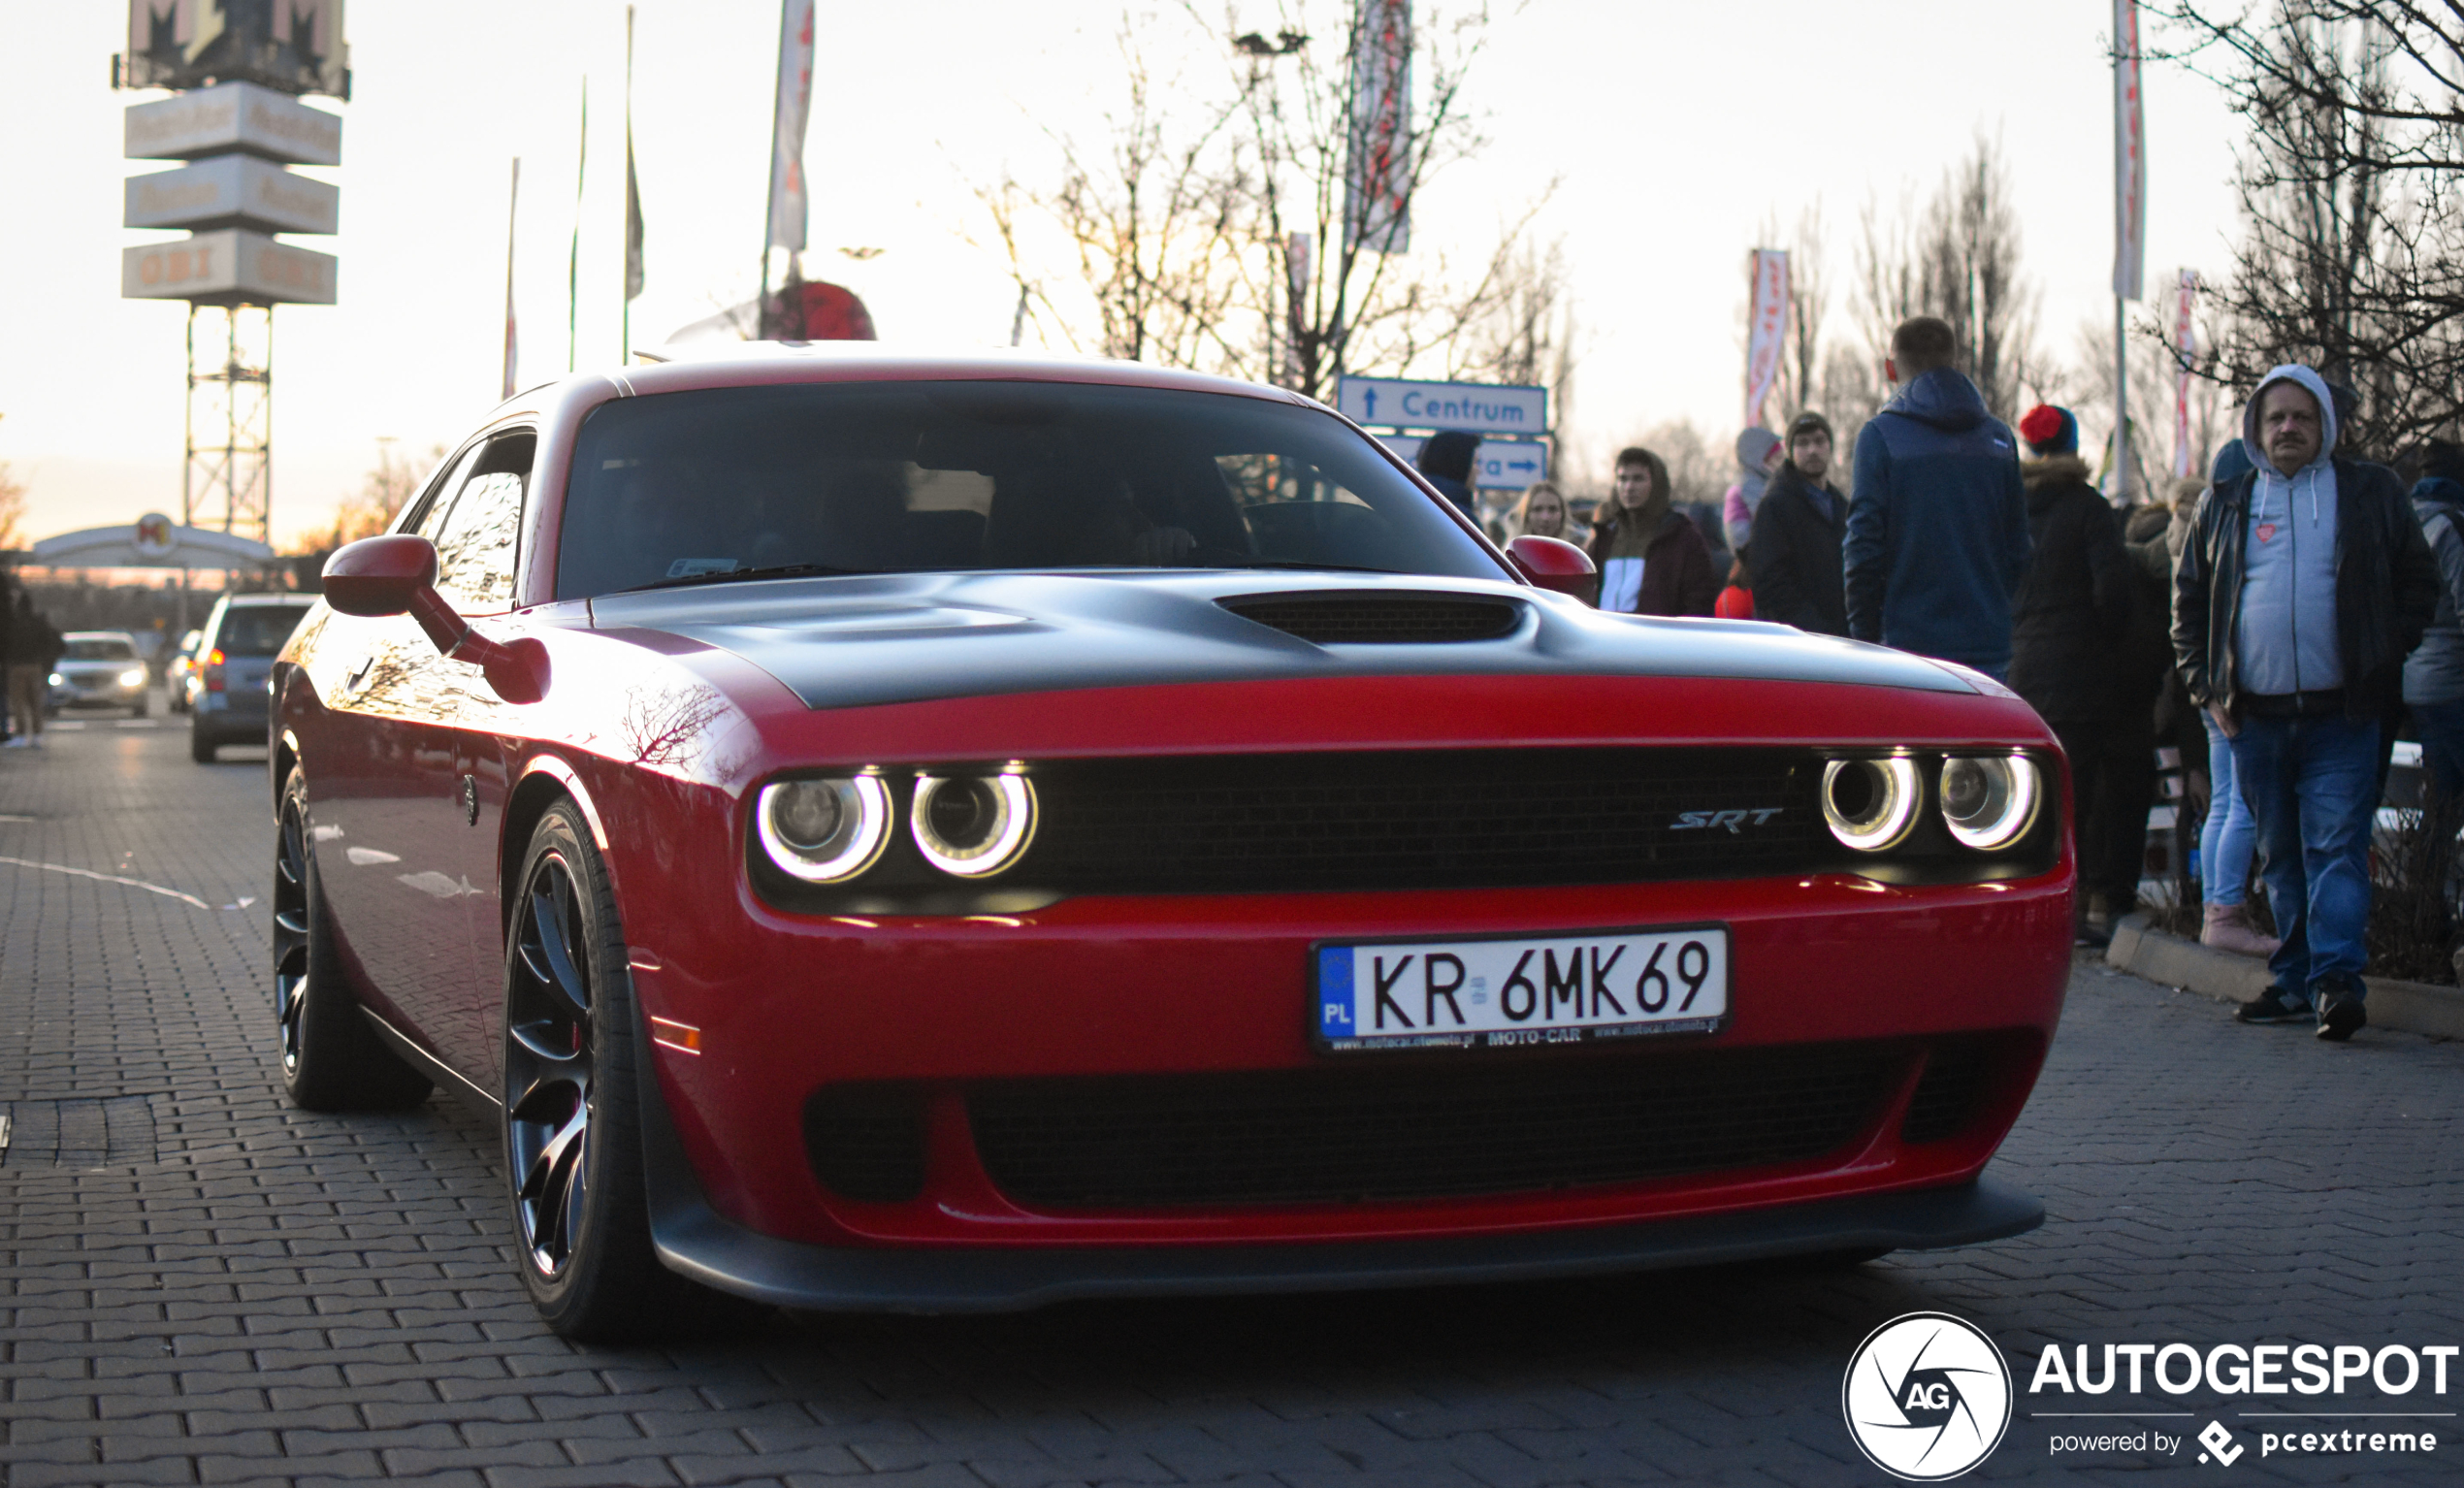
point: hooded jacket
(1737, 507)
(2071, 614)
(1678, 575)
(2435, 672)
(1938, 526)
(1795, 564)
(2366, 578)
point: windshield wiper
(731, 576)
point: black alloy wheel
(572, 1128)
(549, 1063)
(331, 1058)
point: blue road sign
(1478, 407)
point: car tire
(573, 1127)
(200, 745)
(137, 709)
(331, 1058)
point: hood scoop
(1380, 617)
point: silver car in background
(100, 668)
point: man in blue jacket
(1937, 518)
(2302, 586)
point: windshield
(98, 651)
(931, 476)
(260, 630)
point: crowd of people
(2275, 621)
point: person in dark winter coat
(2434, 675)
(33, 649)
(2305, 585)
(1937, 522)
(1798, 530)
(1652, 558)
(2068, 620)
(1445, 460)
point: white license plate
(1497, 993)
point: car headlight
(1870, 803)
(1989, 801)
(58, 681)
(135, 676)
(824, 831)
(973, 826)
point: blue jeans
(2312, 786)
(2228, 837)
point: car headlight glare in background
(1872, 803)
(824, 831)
(135, 676)
(973, 826)
(1989, 801)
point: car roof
(771, 364)
(99, 635)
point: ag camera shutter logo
(1927, 1397)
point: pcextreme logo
(1927, 1397)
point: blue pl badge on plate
(1334, 992)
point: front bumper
(697, 1241)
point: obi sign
(235, 266)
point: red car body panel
(662, 738)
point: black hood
(886, 638)
(1942, 398)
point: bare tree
(1957, 258)
(1208, 227)
(382, 492)
(11, 509)
(2352, 185)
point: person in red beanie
(2069, 618)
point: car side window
(429, 511)
(476, 540)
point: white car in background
(100, 668)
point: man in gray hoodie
(2304, 585)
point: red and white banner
(1378, 175)
(2129, 155)
(788, 199)
(1766, 334)
(2185, 349)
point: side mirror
(1554, 564)
(397, 576)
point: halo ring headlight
(973, 826)
(824, 831)
(1872, 804)
(1990, 801)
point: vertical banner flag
(2185, 352)
(1766, 334)
(1378, 178)
(512, 213)
(2129, 155)
(788, 201)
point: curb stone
(2143, 951)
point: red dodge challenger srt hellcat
(887, 831)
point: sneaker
(2341, 1018)
(2273, 1006)
(2226, 927)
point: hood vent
(1380, 619)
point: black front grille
(1382, 620)
(1411, 820)
(868, 1141)
(1947, 1093)
(1357, 1133)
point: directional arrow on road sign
(1508, 464)
(1478, 407)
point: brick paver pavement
(198, 1284)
